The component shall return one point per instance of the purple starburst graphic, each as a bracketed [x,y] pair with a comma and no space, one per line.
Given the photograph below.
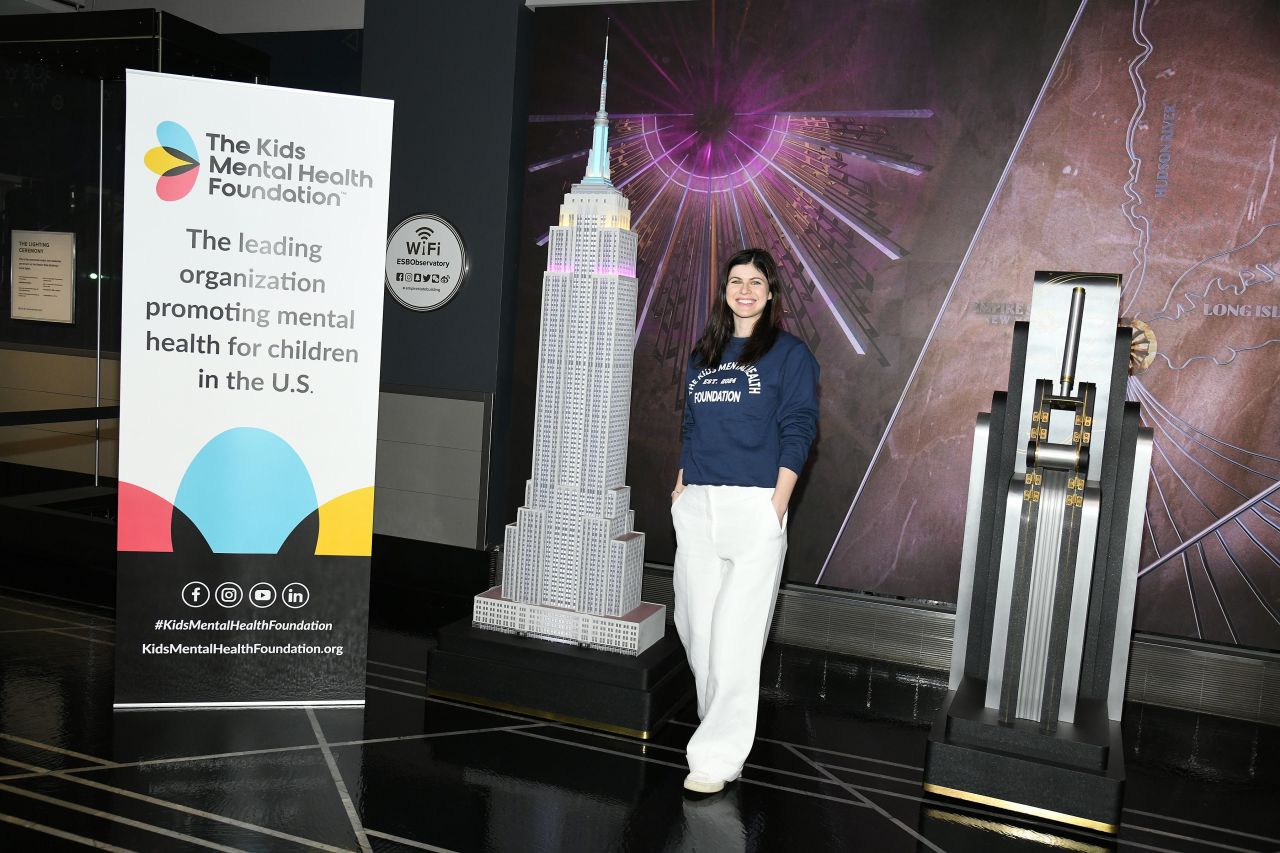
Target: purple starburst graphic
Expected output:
[728,164]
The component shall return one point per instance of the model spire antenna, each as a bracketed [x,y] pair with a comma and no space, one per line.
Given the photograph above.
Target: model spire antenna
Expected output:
[598,160]
[604,74]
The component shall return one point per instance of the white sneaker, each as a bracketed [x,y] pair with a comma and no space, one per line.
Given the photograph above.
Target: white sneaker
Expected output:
[702,783]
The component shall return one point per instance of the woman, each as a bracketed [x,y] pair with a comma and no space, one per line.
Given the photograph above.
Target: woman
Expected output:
[750,416]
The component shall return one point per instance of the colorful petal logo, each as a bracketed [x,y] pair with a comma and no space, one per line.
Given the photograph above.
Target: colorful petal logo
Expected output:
[174,160]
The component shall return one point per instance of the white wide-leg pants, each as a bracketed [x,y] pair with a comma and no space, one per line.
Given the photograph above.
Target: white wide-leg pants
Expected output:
[729,550]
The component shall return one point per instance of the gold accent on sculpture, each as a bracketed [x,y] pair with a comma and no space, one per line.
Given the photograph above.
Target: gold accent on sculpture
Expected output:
[1035,811]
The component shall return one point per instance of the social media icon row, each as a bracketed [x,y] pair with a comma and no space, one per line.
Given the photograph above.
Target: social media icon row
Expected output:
[229,594]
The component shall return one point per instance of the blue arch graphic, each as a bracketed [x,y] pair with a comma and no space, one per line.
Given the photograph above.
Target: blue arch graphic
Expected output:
[246,490]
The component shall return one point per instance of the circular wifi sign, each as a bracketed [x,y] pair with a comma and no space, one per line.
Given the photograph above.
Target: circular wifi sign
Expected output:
[426,262]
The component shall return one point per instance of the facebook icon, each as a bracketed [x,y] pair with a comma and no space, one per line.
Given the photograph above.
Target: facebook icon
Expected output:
[195,594]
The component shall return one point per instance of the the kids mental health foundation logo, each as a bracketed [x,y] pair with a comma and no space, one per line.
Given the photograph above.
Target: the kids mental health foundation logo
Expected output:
[174,160]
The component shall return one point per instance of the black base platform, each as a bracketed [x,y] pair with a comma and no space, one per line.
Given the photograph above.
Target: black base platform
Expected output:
[1074,775]
[570,684]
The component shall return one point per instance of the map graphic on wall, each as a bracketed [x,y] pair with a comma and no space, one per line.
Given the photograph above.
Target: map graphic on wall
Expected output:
[911,167]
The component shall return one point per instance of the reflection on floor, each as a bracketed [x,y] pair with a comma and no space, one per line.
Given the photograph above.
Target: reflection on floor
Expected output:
[836,766]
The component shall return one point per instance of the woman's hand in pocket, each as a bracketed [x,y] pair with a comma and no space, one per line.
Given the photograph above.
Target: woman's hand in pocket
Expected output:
[779,507]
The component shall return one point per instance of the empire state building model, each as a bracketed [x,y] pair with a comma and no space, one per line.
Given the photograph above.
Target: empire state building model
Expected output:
[573,560]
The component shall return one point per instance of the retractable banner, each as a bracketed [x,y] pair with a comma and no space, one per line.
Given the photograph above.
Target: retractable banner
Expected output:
[254,230]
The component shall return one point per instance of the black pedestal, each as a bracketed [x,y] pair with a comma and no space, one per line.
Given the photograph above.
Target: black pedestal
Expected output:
[1074,775]
[556,681]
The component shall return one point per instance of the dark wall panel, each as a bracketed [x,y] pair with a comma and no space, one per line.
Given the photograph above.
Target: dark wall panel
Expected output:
[321,60]
[452,69]
[456,72]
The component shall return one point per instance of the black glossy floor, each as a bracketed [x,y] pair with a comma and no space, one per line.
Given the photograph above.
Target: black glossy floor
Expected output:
[836,767]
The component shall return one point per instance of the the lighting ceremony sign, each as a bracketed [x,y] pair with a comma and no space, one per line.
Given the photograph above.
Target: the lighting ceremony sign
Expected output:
[250,345]
[426,262]
[42,276]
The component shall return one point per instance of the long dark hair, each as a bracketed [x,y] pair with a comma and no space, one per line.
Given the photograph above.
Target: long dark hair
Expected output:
[715,337]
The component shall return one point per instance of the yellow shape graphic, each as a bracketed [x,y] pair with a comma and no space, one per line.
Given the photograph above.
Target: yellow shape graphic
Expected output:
[159,160]
[346,525]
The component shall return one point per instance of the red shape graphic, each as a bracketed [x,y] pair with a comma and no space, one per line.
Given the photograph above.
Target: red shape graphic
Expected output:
[174,187]
[145,521]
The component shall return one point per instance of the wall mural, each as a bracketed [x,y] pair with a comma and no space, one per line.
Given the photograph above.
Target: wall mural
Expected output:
[912,165]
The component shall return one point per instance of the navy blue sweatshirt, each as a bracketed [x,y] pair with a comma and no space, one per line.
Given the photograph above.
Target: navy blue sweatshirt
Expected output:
[741,424]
